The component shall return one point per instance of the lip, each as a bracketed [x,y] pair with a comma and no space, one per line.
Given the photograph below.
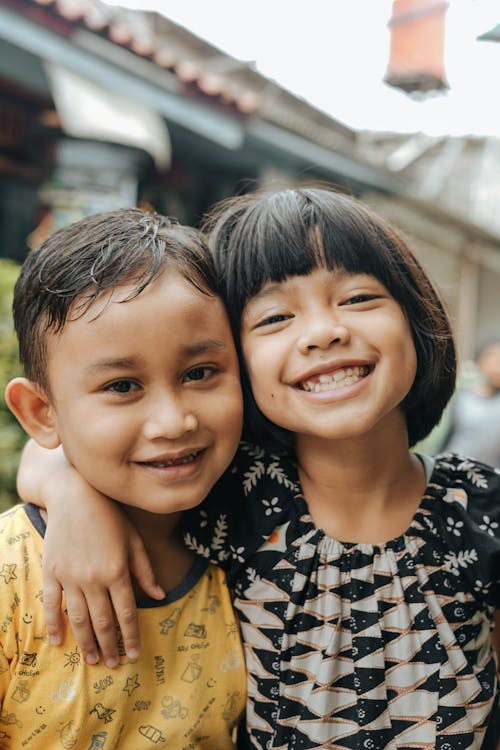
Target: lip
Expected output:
[173,467]
[330,367]
[167,460]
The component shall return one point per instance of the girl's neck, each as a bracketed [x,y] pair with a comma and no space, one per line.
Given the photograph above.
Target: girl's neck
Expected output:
[365,489]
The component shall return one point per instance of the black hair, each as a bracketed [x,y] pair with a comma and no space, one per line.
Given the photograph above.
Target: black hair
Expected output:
[269,236]
[76,264]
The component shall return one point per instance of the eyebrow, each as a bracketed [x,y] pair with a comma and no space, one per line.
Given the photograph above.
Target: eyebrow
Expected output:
[272,289]
[267,291]
[128,363]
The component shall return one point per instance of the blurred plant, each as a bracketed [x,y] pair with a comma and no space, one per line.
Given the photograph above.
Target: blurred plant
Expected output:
[12,437]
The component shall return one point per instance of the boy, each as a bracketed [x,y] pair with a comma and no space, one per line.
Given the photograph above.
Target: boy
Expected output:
[130,366]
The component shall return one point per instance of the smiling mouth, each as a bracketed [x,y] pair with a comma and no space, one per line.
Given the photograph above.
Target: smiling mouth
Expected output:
[165,463]
[330,381]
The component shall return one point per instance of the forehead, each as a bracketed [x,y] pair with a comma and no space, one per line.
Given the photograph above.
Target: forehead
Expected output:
[171,293]
[169,313]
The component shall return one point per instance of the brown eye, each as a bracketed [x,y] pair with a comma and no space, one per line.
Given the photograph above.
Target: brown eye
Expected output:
[358,299]
[273,319]
[199,373]
[123,386]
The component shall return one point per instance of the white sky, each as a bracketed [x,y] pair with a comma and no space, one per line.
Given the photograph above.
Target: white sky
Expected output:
[334,53]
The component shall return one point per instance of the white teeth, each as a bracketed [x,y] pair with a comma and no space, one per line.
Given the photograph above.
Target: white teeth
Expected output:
[338,379]
[172,462]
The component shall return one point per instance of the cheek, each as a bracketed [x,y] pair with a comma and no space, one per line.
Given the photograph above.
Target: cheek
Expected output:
[261,384]
[260,361]
[221,411]
[94,435]
[408,358]
[229,416]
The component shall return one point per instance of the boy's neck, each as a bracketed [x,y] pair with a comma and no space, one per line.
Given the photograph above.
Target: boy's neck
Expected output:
[169,556]
[154,527]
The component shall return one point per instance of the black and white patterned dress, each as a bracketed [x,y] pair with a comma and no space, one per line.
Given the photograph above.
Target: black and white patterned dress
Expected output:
[379,647]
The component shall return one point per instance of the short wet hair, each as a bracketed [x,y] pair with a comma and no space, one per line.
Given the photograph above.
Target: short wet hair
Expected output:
[64,276]
[269,236]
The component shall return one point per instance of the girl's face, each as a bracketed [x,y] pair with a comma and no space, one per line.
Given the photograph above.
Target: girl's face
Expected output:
[329,354]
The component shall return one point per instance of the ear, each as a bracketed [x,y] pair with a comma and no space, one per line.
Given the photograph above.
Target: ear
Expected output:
[33,410]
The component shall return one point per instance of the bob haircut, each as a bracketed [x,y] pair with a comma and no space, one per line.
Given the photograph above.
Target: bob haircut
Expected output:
[261,237]
[66,274]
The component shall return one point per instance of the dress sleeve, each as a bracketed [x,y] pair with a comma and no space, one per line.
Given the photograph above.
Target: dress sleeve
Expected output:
[242,510]
[472,520]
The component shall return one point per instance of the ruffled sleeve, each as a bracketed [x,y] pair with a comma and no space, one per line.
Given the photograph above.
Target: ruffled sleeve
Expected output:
[243,509]
[470,520]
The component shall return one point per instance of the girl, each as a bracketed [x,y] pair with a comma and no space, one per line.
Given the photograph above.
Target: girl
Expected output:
[366,576]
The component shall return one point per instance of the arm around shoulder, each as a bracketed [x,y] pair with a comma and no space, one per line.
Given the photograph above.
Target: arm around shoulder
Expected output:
[90,550]
[38,468]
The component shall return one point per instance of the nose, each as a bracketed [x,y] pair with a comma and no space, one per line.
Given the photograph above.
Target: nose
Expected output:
[169,418]
[322,329]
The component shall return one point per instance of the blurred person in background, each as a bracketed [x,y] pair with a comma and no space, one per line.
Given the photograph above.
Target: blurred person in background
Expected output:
[474,428]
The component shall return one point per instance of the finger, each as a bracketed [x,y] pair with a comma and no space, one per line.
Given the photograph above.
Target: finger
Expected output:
[81,624]
[104,625]
[142,570]
[52,610]
[125,609]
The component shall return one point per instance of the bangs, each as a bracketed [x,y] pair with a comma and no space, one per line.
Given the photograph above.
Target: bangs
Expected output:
[292,233]
[266,237]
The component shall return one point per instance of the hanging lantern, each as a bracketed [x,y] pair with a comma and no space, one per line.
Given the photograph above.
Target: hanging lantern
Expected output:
[417,46]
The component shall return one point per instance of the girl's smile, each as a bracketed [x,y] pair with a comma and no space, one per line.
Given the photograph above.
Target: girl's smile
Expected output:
[333,377]
[329,354]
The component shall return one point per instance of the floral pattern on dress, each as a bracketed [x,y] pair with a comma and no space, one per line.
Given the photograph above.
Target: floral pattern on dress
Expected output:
[359,645]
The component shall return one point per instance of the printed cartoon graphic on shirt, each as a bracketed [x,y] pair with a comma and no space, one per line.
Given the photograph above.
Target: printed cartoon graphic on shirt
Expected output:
[159,698]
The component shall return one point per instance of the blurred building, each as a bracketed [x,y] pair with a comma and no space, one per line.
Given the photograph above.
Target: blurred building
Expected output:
[455,181]
[452,220]
[102,107]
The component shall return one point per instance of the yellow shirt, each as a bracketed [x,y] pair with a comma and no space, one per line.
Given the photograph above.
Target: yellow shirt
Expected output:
[186,691]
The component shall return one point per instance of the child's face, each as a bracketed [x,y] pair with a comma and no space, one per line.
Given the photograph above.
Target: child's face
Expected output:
[489,364]
[329,355]
[146,394]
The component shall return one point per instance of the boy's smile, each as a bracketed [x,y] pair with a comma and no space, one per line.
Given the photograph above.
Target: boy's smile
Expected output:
[329,354]
[145,394]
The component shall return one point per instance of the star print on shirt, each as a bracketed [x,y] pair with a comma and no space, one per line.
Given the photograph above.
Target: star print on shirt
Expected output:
[103,713]
[131,684]
[8,572]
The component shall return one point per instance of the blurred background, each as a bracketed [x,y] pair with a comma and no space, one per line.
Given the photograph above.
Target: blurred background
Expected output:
[175,105]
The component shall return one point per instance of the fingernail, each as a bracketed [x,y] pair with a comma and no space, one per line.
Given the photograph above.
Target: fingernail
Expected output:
[91,658]
[132,653]
[111,662]
[54,640]
[160,592]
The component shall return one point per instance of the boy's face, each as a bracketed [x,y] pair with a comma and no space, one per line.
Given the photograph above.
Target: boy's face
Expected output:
[146,395]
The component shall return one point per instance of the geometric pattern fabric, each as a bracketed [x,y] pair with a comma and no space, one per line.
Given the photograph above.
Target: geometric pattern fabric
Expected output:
[381,647]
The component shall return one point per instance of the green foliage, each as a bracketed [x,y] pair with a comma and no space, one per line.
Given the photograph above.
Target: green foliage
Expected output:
[12,437]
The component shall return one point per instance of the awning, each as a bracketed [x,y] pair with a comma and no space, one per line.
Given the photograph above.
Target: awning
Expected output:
[87,110]
[197,116]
